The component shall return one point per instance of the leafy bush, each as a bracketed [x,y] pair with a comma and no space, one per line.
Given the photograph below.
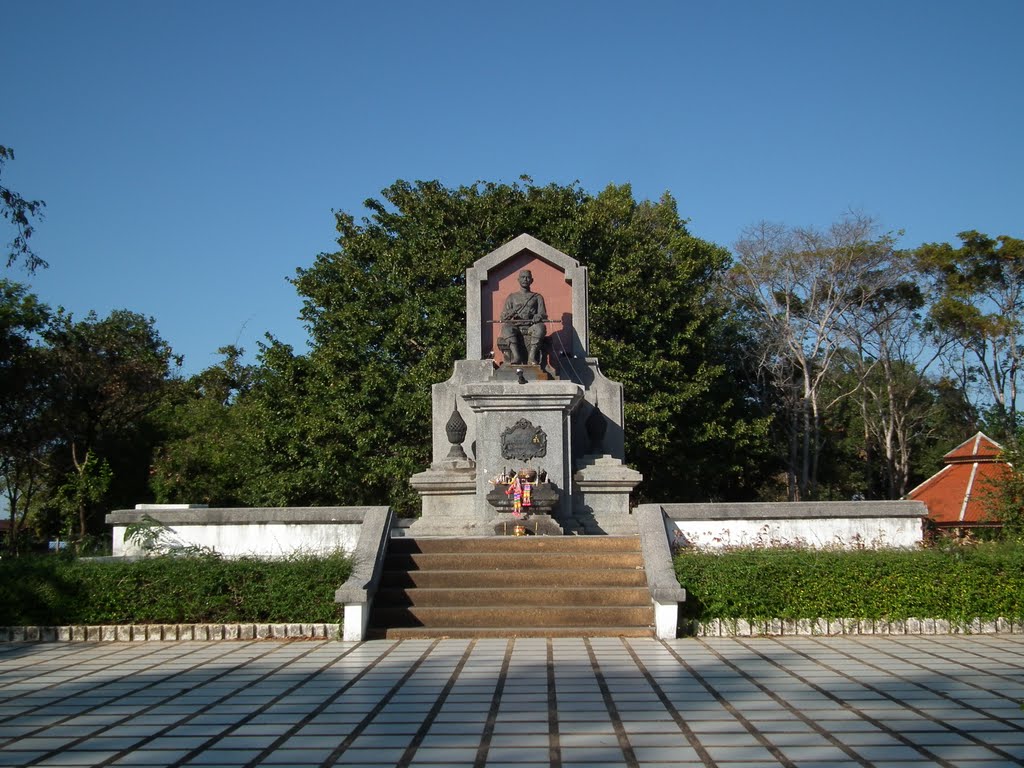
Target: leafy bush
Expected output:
[55,591]
[959,584]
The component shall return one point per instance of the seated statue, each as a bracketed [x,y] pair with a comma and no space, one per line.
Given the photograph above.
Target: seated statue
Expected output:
[522,324]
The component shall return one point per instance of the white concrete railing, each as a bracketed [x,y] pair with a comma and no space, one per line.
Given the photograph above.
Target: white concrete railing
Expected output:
[666,594]
[358,592]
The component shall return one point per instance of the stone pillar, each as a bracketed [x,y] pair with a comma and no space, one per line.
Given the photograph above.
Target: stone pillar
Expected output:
[604,485]
[448,494]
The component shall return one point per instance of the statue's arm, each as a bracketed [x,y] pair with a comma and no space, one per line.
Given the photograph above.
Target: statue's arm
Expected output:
[542,310]
[508,312]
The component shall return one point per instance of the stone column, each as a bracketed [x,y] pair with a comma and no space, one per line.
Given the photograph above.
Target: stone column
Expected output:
[605,483]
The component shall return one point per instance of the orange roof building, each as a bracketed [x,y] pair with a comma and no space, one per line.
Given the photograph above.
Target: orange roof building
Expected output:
[956,494]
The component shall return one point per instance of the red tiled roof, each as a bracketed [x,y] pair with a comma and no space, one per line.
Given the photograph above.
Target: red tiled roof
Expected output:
[981,447]
[957,493]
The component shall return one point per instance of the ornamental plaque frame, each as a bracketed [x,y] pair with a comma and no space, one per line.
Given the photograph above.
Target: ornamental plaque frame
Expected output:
[523,441]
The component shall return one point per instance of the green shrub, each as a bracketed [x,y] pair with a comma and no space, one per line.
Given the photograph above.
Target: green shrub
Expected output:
[984,581]
[55,591]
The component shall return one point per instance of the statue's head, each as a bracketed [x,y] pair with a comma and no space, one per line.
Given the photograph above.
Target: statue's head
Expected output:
[525,278]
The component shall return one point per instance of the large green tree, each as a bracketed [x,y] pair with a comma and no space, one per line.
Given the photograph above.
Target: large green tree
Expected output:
[113,373]
[802,289]
[349,419]
[979,308]
[77,405]
[27,429]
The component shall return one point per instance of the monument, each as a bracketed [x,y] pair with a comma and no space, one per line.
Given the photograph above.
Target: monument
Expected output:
[527,433]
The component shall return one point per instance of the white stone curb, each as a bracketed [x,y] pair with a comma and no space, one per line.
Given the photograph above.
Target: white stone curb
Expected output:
[135,633]
[832,627]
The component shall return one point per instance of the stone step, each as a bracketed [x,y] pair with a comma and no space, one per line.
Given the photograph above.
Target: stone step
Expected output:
[505,596]
[508,561]
[513,616]
[596,577]
[528,586]
[419,633]
[516,544]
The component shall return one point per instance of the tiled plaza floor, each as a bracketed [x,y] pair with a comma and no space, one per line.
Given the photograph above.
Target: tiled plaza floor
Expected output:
[892,702]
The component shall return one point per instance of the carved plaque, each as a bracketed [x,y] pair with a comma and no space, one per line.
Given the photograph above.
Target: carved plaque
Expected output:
[523,441]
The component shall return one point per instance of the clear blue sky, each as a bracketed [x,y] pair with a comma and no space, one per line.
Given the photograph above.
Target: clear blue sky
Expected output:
[190,153]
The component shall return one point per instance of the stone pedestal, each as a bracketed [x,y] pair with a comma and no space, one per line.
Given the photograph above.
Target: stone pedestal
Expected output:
[604,484]
[524,426]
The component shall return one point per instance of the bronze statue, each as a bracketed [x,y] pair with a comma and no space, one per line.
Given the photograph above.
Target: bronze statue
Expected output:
[522,329]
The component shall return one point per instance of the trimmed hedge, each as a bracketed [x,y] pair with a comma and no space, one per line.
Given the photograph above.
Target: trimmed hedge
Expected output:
[55,591]
[985,582]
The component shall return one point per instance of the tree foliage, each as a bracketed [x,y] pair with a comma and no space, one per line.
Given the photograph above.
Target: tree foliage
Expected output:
[78,406]
[350,419]
[1003,496]
[893,359]
[114,372]
[803,288]
[805,367]
[20,212]
[27,429]
[980,309]
[202,457]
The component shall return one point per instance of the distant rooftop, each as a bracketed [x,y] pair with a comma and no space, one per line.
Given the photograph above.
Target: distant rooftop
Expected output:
[957,493]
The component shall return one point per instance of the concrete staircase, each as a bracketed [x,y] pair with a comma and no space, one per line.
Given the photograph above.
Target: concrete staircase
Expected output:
[507,586]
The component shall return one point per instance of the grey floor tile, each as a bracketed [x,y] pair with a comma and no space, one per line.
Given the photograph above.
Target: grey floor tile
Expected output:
[876,753]
[816,752]
[659,740]
[303,757]
[457,727]
[309,741]
[18,757]
[659,726]
[797,739]
[445,755]
[645,754]
[151,757]
[360,756]
[604,725]
[116,743]
[520,740]
[80,758]
[727,754]
[728,738]
[592,754]
[517,754]
[225,757]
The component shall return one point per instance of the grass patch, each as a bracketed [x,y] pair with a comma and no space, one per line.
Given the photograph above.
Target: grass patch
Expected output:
[958,584]
[55,591]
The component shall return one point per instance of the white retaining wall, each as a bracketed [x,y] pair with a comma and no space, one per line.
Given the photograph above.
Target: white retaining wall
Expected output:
[255,532]
[844,525]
